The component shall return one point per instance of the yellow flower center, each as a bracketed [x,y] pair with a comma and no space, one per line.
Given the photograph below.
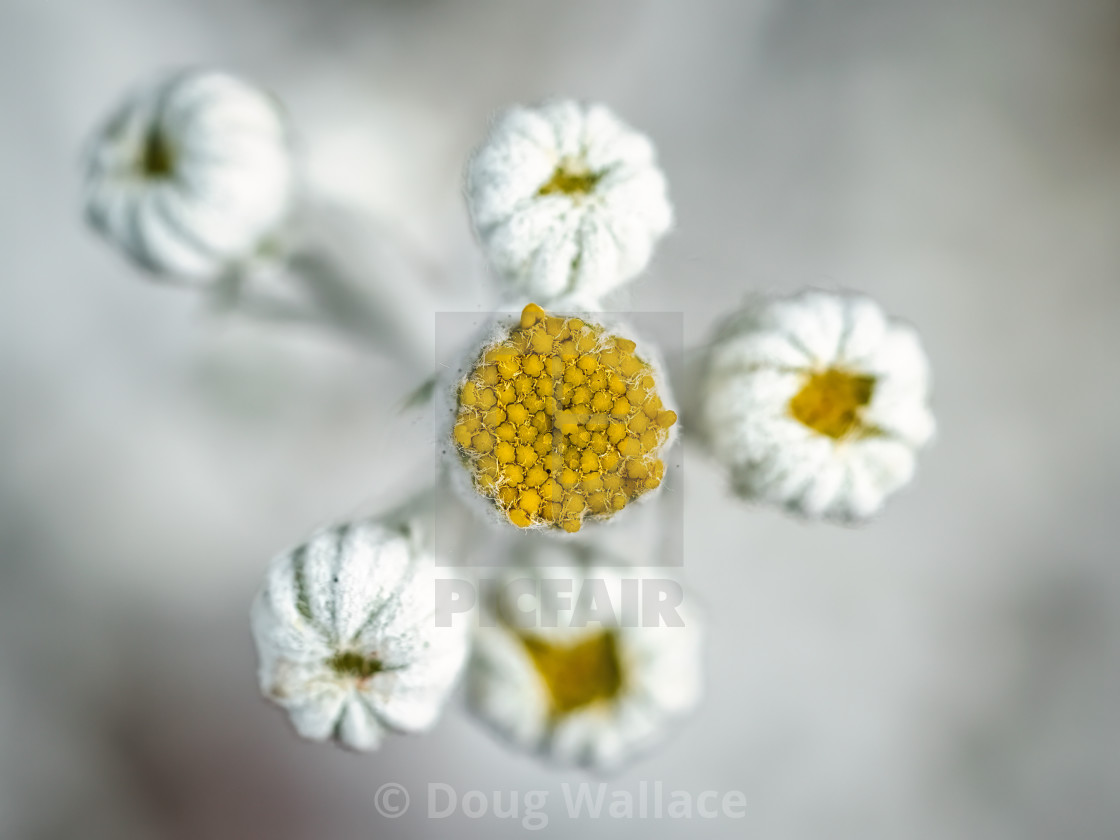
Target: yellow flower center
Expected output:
[559,421]
[580,674]
[571,178]
[831,402]
[350,663]
[157,160]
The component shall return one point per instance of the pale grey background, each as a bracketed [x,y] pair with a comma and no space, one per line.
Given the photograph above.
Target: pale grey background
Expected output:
[952,670]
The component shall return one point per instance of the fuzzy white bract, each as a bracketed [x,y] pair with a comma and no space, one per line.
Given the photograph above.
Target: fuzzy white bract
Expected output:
[573,677]
[191,174]
[347,637]
[817,403]
[567,201]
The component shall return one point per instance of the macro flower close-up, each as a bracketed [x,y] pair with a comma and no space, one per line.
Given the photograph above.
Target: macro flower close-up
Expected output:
[191,174]
[817,403]
[559,421]
[346,636]
[600,419]
[588,686]
[567,200]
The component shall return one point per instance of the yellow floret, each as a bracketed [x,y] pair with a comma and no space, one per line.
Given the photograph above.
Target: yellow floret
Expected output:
[560,420]
[529,501]
[530,315]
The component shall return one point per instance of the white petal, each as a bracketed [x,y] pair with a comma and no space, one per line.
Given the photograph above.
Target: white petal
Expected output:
[503,176]
[899,356]
[820,494]
[888,464]
[637,199]
[751,350]
[664,664]
[503,687]
[812,320]
[513,244]
[788,469]
[408,700]
[598,269]
[358,727]
[611,144]
[859,497]
[587,737]
[748,416]
[565,117]
[527,125]
[281,632]
[553,266]
[900,411]
[865,325]
[315,714]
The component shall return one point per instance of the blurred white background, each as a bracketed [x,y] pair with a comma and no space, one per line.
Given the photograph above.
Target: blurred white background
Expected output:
[951,670]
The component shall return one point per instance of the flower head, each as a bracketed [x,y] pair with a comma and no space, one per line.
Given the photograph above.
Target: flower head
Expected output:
[567,200]
[559,420]
[190,174]
[594,689]
[818,403]
[347,638]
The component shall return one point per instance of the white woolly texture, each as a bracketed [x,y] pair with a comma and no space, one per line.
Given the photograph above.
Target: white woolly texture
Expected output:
[558,245]
[368,592]
[763,357]
[224,180]
[445,403]
[660,669]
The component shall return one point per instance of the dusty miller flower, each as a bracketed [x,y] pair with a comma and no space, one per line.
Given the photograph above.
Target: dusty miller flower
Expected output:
[818,403]
[595,690]
[556,421]
[347,638]
[191,174]
[567,200]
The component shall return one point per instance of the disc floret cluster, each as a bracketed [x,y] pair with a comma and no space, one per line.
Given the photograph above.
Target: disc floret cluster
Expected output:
[560,421]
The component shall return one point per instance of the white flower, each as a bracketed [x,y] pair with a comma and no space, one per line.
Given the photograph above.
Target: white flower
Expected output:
[567,200]
[191,174]
[818,403]
[596,688]
[347,638]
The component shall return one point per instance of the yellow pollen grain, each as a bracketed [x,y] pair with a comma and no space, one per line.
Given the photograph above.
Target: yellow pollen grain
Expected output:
[504,452]
[462,434]
[530,315]
[469,395]
[533,366]
[529,501]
